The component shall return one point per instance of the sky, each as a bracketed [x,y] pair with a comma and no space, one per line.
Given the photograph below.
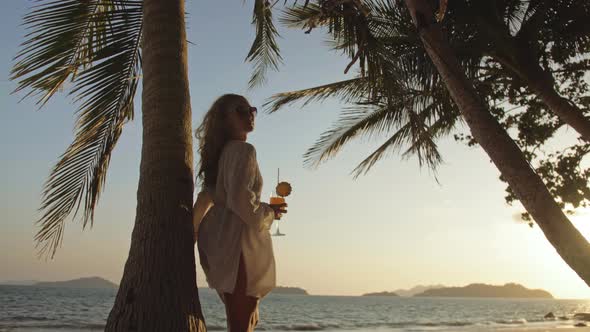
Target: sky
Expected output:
[395,227]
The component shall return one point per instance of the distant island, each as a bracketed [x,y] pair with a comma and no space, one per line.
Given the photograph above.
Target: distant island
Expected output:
[18,282]
[405,292]
[415,290]
[90,282]
[381,294]
[289,290]
[510,290]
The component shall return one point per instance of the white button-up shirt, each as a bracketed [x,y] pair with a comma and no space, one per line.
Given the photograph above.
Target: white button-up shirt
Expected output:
[238,223]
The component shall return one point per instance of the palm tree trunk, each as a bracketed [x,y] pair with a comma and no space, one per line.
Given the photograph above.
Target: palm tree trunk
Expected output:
[158,291]
[541,83]
[526,184]
[562,107]
[517,57]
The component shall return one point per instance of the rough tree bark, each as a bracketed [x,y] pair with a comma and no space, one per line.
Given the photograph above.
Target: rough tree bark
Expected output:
[158,291]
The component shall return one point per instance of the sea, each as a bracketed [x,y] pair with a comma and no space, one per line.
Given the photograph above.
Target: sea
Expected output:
[47,309]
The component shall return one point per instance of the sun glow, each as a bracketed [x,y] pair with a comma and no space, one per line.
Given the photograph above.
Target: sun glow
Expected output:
[581,220]
[569,284]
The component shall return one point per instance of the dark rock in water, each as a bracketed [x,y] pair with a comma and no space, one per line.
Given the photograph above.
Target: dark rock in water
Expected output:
[549,316]
[581,325]
[582,316]
[563,318]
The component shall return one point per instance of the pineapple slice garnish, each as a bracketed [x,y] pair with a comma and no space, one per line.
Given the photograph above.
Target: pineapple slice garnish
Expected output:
[284,189]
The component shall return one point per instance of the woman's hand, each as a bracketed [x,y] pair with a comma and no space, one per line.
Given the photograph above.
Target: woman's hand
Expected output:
[279,210]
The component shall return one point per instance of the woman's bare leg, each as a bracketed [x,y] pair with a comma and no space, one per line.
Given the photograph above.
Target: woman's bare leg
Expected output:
[241,310]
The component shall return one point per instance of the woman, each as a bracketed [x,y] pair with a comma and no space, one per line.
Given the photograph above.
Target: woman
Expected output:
[233,238]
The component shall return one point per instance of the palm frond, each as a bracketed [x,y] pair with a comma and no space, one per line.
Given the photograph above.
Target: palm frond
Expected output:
[533,17]
[398,44]
[418,118]
[400,137]
[421,133]
[354,121]
[401,90]
[306,17]
[104,63]
[347,90]
[513,13]
[264,52]
[348,22]
[63,36]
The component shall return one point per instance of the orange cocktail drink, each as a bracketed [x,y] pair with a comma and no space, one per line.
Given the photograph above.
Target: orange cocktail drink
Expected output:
[276,200]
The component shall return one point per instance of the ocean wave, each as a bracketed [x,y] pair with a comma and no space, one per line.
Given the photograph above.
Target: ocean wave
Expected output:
[364,325]
[40,323]
[457,323]
[431,324]
[518,321]
[300,327]
[24,318]
[421,323]
[81,327]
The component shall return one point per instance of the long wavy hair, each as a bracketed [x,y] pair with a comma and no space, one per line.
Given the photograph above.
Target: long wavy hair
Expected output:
[212,135]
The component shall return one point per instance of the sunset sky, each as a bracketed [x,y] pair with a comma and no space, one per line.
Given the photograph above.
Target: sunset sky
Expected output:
[394,228]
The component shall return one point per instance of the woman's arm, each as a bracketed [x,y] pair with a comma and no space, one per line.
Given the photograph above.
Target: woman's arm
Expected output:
[242,200]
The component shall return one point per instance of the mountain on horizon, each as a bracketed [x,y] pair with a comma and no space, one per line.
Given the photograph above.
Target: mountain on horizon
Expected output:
[509,290]
[88,282]
[289,290]
[392,294]
[18,282]
[416,290]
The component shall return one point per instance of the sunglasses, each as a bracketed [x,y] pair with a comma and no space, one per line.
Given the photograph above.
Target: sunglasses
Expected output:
[246,111]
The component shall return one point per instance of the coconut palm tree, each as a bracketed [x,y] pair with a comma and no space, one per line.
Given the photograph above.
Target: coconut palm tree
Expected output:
[389,93]
[536,42]
[413,110]
[526,184]
[104,47]
[478,48]
[539,45]
[158,291]
[393,32]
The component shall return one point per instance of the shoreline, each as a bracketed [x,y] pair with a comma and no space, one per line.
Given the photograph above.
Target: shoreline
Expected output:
[475,329]
[547,329]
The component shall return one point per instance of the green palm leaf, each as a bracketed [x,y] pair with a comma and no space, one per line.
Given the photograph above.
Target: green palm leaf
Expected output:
[416,118]
[348,91]
[421,132]
[362,120]
[96,45]
[308,17]
[401,136]
[401,94]
[264,52]
[63,36]
[396,91]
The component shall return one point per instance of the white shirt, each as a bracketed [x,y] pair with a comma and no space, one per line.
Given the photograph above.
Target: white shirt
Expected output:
[238,223]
